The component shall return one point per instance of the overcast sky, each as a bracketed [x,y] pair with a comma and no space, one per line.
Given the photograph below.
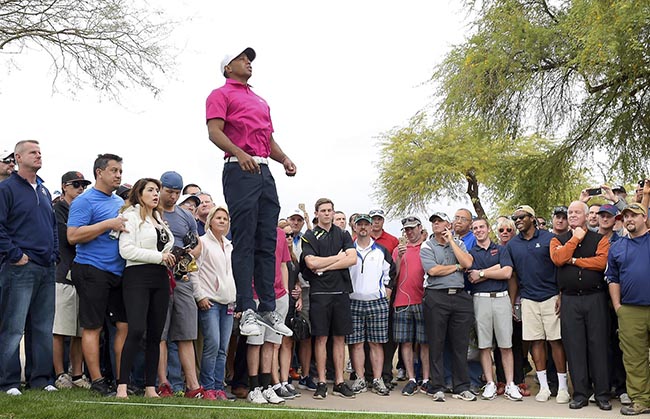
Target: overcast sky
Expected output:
[336,74]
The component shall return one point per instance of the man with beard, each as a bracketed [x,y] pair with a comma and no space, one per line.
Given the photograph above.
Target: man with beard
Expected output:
[540,305]
[628,265]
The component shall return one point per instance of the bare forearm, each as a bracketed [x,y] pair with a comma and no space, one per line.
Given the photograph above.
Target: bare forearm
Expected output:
[85,234]
[442,270]
[276,152]
[319,262]
[615,294]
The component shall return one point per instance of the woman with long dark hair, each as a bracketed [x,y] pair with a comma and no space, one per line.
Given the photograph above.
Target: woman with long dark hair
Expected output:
[146,246]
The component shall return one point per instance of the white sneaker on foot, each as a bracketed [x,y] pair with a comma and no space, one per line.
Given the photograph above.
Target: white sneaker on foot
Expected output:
[63,381]
[512,393]
[50,387]
[490,391]
[271,397]
[14,392]
[275,322]
[248,324]
[543,395]
[255,396]
[562,396]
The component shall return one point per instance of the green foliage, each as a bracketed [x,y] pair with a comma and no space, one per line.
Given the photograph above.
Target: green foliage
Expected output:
[580,67]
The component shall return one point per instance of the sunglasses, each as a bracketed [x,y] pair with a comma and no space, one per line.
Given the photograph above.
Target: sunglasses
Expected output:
[542,223]
[410,220]
[516,218]
[9,160]
[509,230]
[77,184]
[287,235]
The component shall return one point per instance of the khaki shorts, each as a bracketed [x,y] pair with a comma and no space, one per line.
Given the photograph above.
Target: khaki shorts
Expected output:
[493,319]
[539,320]
[66,312]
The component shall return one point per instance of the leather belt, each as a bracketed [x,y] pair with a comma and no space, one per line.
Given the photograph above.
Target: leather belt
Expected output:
[491,294]
[450,291]
[258,160]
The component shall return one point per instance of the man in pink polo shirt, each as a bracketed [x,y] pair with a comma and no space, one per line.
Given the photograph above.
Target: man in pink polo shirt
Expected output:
[239,123]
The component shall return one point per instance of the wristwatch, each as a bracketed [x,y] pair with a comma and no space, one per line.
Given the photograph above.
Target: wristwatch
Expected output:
[481,274]
[573,261]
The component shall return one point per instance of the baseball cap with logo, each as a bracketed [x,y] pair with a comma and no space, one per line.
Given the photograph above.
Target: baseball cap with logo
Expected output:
[72,176]
[560,210]
[296,212]
[362,217]
[441,215]
[227,59]
[609,209]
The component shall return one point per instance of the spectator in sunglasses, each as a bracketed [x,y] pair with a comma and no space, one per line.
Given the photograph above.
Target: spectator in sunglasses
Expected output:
[7,164]
[66,311]
[541,223]
[505,230]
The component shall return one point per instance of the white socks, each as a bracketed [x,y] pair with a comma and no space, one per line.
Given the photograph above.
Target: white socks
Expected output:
[543,381]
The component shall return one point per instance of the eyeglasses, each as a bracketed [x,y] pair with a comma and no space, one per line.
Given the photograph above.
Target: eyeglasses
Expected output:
[516,218]
[509,230]
[460,218]
[287,235]
[9,160]
[77,184]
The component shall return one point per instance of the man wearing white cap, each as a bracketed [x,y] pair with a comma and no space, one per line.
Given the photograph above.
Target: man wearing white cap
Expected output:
[7,164]
[239,123]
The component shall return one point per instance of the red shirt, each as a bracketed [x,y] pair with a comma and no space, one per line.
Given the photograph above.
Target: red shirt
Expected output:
[387,240]
[246,116]
[409,289]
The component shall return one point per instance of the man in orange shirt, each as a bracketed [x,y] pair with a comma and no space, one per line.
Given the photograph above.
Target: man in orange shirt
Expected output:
[581,258]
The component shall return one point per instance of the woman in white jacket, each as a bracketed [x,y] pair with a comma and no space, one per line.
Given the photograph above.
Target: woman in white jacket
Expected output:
[215,294]
[146,246]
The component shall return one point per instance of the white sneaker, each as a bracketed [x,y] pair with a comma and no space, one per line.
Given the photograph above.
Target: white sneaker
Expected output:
[248,324]
[63,381]
[438,396]
[14,392]
[562,396]
[543,395]
[255,396]
[512,393]
[82,382]
[625,399]
[271,397]
[50,387]
[275,322]
[490,391]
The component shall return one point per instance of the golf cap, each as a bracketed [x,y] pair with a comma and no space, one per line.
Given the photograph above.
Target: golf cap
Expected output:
[227,59]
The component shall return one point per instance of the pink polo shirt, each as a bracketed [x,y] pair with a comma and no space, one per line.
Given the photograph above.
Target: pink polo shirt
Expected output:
[247,117]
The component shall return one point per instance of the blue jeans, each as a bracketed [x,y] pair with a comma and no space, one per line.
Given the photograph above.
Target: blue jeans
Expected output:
[174,370]
[216,325]
[27,292]
[254,210]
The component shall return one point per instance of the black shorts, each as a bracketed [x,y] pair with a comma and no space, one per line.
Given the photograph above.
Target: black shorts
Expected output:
[330,314]
[100,295]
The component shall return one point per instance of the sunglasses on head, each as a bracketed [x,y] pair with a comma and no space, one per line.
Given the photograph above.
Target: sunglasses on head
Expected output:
[516,218]
[9,160]
[76,184]
[409,220]
[509,230]
[287,235]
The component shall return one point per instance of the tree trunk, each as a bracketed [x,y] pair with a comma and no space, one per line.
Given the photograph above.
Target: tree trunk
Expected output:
[472,191]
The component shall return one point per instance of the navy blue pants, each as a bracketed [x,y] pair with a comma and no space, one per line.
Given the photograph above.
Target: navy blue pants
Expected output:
[254,209]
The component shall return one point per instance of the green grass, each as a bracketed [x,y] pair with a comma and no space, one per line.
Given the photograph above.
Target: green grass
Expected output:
[79,404]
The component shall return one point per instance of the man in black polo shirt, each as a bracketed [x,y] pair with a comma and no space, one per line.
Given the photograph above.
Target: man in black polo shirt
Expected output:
[490,273]
[581,258]
[327,253]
